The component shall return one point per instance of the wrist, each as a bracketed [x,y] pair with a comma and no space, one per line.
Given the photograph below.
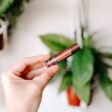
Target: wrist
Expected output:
[22,106]
[15,107]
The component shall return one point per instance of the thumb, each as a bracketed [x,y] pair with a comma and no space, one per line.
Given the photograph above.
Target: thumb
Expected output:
[46,76]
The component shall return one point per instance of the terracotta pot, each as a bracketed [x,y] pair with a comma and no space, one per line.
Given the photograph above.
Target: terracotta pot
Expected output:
[73,99]
[1,42]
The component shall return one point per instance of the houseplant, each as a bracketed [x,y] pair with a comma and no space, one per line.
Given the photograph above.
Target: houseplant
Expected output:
[79,74]
[10,10]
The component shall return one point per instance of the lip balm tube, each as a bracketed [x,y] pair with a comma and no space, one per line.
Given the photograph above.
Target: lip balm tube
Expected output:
[62,55]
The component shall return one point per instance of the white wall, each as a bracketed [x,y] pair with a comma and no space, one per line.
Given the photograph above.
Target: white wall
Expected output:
[57,16]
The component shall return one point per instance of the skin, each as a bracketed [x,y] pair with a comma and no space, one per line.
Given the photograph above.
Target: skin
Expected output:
[24,83]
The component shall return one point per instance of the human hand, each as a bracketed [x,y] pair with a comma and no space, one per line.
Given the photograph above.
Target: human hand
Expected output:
[24,83]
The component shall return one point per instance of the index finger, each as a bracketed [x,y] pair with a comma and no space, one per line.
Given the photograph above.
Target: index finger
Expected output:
[29,63]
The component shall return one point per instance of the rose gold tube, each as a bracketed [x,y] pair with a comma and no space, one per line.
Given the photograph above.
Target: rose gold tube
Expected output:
[63,55]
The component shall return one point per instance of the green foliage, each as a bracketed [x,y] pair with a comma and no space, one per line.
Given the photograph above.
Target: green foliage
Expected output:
[16,10]
[84,92]
[82,67]
[84,64]
[11,10]
[56,43]
[66,81]
[106,55]
[87,41]
[105,82]
[4,5]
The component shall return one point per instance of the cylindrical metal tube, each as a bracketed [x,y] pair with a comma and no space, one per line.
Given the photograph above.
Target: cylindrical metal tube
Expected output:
[63,55]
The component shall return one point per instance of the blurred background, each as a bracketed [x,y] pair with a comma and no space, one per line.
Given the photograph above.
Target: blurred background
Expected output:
[59,17]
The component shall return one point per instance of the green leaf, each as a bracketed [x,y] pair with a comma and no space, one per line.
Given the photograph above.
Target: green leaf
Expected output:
[87,41]
[63,66]
[105,82]
[52,53]
[106,55]
[66,81]
[56,43]
[28,1]
[4,5]
[15,11]
[82,67]
[84,92]
[11,9]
